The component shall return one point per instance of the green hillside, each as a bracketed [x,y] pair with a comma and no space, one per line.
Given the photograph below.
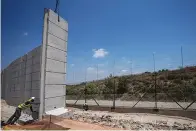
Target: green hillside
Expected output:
[180,84]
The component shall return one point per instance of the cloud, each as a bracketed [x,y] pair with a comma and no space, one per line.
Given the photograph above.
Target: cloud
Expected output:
[129,62]
[100,53]
[126,60]
[121,72]
[124,71]
[90,69]
[72,65]
[101,65]
[167,59]
[101,71]
[123,58]
[94,70]
[25,34]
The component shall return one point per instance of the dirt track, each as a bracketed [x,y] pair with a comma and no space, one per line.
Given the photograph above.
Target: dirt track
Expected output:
[62,125]
[145,104]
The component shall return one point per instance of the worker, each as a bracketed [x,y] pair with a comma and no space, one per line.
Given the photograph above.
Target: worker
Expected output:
[17,114]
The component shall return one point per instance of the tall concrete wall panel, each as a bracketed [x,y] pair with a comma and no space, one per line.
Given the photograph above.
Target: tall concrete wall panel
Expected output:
[56,33]
[41,72]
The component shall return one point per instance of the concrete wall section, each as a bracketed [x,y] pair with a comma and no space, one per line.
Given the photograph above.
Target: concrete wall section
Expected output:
[3,76]
[22,77]
[41,72]
[55,61]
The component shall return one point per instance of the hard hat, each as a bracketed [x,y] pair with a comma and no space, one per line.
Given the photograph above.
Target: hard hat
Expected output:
[33,98]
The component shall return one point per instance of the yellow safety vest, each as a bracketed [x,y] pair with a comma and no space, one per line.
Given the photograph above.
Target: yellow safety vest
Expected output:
[23,106]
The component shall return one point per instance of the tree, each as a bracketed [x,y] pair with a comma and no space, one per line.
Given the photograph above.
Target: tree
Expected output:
[91,88]
[122,85]
[109,84]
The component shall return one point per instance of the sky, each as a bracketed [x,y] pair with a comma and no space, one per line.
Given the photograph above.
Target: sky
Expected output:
[106,36]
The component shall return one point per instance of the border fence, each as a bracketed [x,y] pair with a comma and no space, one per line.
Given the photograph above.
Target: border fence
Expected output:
[163,89]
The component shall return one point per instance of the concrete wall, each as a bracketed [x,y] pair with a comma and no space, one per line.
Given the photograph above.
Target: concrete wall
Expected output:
[42,71]
[53,61]
[21,78]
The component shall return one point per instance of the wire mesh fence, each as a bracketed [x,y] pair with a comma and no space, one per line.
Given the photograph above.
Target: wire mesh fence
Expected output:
[157,82]
[162,89]
[133,101]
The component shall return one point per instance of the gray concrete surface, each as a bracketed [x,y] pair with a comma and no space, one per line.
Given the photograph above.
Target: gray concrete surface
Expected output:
[22,77]
[56,33]
[41,72]
[144,104]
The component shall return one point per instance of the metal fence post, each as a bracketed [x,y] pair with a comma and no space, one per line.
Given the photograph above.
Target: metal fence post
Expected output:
[114,96]
[155,91]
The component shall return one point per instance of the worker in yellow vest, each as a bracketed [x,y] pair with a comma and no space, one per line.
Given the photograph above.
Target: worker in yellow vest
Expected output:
[17,114]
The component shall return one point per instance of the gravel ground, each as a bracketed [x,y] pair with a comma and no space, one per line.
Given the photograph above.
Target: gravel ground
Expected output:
[147,104]
[134,121]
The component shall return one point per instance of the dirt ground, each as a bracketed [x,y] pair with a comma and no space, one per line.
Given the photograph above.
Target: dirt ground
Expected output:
[56,124]
[43,125]
[63,125]
[103,120]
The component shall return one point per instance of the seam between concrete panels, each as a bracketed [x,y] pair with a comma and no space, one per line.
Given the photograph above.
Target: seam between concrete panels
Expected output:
[54,97]
[56,48]
[56,36]
[26,66]
[55,72]
[24,75]
[64,87]
[32,89]
[43,62]
[55,84]
[56,60]
[25,82]
[45,59]
[25,90]
[31,79]
[58,26]
[11,65]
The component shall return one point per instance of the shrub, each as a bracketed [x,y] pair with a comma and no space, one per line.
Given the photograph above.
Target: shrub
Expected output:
[174,76]
[178,81]
[91,88]
[162,78]
[122,85]
[194,82]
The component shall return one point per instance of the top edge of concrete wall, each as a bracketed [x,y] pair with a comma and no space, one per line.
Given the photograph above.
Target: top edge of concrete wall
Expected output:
[54,19]
[21,57]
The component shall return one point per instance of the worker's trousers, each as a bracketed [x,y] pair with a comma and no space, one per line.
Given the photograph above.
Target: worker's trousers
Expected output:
[14,117]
